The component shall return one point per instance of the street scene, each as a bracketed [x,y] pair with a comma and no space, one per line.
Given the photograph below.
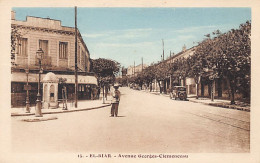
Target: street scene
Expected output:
[146,123]
[130,80]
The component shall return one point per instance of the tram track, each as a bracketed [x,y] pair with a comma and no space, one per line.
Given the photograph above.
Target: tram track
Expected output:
[233,122]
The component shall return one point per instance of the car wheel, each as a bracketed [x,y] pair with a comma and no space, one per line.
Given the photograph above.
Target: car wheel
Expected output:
[181,96]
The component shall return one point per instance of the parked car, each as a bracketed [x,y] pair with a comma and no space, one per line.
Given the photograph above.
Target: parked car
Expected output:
[178,92]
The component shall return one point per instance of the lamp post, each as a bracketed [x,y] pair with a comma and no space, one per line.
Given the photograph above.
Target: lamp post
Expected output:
[38,109]
[27,93]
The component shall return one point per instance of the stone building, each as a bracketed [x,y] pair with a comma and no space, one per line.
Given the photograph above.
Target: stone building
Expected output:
[58,45]
[189,83]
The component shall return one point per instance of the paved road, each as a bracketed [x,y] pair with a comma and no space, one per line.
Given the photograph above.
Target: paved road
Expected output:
[147,123]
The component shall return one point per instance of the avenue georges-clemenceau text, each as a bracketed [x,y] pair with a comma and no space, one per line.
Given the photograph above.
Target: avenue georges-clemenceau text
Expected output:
[132,156]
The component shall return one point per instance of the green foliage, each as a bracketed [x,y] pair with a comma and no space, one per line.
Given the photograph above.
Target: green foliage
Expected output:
[105,69]
[225,55]
[228,55]
[123,81]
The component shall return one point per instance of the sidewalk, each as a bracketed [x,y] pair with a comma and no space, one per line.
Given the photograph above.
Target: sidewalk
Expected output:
[221,103]
[82,105]
[207,101]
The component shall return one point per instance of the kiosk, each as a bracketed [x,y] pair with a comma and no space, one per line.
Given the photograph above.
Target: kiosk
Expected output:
[50,91]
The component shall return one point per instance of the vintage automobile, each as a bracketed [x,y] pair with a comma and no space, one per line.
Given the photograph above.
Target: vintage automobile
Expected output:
[178,92]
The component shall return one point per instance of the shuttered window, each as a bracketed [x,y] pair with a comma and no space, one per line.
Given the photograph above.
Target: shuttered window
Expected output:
[63,50]
[23,47]
[43,44]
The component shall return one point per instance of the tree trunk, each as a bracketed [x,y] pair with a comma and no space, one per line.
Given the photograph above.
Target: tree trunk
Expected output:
[202,89]
[164,86]
[197,91]
[209,89]
[212,89]
[232,92]
[160,86]
[219,87]
[103,94]
[232,96]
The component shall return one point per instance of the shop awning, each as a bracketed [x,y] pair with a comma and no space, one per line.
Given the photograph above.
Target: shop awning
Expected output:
[33,78]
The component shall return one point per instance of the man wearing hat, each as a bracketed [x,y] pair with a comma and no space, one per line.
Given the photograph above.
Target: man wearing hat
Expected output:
[115,101]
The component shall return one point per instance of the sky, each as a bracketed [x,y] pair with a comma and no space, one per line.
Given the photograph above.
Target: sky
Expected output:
[127,35]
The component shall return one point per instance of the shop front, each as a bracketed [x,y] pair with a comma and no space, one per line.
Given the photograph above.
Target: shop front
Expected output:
[19,80]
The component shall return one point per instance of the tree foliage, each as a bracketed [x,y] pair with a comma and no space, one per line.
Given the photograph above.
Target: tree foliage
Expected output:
[105,69]
[219,55]
[228,55]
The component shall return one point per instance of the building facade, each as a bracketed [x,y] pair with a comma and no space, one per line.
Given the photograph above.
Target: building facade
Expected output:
[58,45]
[135,70]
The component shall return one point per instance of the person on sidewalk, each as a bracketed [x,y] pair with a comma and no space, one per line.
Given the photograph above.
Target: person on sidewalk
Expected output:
[115,101]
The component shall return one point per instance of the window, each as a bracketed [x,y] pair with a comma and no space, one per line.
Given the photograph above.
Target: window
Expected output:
[22,46]
[63,50]
[43,44]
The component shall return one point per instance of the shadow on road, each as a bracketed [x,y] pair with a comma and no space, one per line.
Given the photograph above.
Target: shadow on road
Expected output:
[119,116]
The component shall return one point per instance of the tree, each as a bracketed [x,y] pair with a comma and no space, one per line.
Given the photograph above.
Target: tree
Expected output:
[15,36]
[235,58]
[162,72]
[228,55]
[149,75]
[105,69]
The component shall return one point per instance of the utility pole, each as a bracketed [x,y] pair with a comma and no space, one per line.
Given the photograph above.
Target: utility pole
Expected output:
[142,64]
[170,73]
[163,49]
[27,91]
[76,60]
[134,68]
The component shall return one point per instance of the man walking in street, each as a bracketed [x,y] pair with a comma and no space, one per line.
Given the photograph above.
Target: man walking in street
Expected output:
[115,101]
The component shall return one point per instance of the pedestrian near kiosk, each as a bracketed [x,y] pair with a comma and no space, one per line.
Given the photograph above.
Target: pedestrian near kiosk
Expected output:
[115,101]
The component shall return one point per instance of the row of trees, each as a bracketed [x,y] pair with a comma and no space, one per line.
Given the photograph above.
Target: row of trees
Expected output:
[219,55]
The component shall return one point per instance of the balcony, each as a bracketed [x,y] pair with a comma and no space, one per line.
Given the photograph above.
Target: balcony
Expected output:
[46,61]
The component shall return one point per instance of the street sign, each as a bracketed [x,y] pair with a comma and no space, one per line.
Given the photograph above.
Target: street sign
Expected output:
[27,87]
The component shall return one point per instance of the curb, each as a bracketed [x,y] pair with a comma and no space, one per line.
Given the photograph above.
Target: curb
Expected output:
[223,105]
[39,119]
[64,111]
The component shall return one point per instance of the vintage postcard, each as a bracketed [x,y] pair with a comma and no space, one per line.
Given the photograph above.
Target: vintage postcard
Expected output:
[148,81]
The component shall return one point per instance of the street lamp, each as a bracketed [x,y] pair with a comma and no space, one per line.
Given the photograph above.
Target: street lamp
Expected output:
[38,112]
[27,93]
